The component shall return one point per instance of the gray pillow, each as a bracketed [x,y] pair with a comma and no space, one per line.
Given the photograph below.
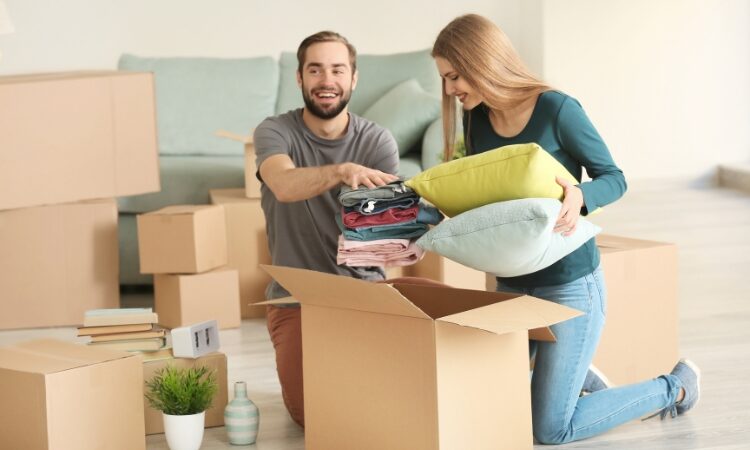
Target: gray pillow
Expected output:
[507,239]
[406,111]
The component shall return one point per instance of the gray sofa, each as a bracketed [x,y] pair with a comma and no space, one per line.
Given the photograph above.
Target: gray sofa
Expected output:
[195,97]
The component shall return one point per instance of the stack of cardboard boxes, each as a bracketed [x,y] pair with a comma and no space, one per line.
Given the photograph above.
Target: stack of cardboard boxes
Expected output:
[69,142]
[246,232]
[185,247]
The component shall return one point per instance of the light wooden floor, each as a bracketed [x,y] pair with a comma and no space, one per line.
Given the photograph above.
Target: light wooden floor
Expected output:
[711,227]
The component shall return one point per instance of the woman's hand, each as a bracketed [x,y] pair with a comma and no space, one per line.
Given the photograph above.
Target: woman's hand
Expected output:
[571,207]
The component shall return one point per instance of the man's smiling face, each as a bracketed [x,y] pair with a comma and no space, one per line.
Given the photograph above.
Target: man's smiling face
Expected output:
[327,79]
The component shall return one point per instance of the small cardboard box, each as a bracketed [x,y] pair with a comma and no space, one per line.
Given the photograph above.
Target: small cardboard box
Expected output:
[247,246]
[181,300]
[214,361]
[439,268]
[56,262]
[76,136]
[642,286]
[182,239]
[62,396]
[415,367]
[252,184]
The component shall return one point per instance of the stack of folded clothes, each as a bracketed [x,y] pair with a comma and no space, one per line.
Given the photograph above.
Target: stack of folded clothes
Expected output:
[379,226]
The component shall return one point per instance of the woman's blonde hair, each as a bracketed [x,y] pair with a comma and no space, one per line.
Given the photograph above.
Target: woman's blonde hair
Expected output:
[483,55]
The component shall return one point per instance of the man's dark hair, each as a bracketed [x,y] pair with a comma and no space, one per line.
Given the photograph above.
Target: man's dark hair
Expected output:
[325,36]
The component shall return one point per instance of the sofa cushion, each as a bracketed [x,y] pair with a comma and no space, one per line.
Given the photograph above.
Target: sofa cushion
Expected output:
[432,145]
[185,180]
[409,165]
[195,97]
[406,111]
[507,239]
[377,75]
[506,173]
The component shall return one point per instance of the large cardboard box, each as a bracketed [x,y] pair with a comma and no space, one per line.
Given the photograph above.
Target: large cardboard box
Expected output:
[182,239]
[214,361]
[247,246]
[439,268]
[415,367]
[641,337]
[56,262]
[75,136]
[182,300]
[62,396]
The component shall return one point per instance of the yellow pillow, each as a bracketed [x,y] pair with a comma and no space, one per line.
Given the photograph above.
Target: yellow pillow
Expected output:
[506,173]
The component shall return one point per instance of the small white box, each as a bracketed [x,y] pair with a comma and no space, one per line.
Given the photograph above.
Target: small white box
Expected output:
[196,340]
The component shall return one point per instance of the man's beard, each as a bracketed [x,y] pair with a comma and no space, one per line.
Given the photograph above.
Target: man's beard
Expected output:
[321,113]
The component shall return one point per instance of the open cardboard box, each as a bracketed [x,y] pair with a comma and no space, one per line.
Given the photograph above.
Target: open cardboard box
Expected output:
[408,366]
[252,184]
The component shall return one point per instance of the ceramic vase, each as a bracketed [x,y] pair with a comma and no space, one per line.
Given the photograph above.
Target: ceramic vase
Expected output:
[241,417]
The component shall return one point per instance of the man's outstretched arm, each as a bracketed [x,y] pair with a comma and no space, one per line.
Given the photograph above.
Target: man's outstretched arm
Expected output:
[291,184]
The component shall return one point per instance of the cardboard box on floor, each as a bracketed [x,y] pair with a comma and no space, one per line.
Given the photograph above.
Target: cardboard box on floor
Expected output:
[439,268]
[181,300]
[56,262]
[640,339]
[182,239]
[415,367]
[214,361]
[252,184]
[62,396]
[247,246]
[76,136]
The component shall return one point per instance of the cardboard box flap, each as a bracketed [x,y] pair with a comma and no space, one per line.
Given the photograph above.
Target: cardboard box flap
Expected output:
[277,301]
[521,313]
[335,291]
[181,209]
[235,137]
[50,355]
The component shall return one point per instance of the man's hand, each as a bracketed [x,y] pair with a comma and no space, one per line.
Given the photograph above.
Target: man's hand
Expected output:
[571,207]
[354,175]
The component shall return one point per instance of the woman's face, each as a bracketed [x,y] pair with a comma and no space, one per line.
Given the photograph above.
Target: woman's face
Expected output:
[456,85]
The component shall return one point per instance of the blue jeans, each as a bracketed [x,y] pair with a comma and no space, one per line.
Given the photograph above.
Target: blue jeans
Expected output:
[559,415]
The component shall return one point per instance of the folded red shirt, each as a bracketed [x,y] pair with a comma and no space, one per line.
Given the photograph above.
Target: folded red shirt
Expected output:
[388,217]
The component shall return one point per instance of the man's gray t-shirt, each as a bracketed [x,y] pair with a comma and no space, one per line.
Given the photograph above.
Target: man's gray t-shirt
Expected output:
[304,234]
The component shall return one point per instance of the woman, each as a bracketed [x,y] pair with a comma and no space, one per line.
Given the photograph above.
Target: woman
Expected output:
[505,104]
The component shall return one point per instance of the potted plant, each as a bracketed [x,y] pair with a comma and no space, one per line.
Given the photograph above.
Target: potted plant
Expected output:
[182,395]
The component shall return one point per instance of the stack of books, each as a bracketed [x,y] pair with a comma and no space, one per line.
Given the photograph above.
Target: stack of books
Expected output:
[129,329]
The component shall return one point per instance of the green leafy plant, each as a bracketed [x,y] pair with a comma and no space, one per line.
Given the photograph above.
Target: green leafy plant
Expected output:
[459,149]
[181,392]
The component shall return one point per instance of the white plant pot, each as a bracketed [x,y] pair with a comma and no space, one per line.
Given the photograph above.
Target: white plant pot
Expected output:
[184,432]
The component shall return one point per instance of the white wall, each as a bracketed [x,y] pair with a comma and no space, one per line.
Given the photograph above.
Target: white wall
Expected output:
[75,34]
[666,82]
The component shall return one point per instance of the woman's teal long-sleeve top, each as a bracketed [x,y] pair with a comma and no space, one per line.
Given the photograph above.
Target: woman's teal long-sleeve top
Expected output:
[560,126]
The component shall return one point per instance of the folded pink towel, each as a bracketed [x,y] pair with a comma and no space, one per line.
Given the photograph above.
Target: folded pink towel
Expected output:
[380,253]
[388,217]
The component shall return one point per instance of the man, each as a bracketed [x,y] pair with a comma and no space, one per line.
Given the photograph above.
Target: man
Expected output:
[303,157]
